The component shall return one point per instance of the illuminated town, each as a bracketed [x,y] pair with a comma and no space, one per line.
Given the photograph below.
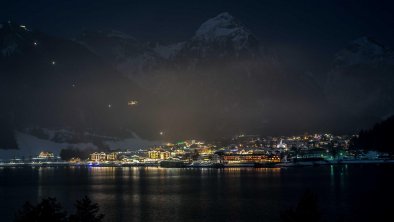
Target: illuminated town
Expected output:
[239,151]
[212,111]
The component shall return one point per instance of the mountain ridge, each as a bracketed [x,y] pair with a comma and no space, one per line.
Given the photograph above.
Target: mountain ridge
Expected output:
[205,86]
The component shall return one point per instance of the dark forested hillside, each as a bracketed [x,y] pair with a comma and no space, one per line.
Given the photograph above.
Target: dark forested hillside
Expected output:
[380,137]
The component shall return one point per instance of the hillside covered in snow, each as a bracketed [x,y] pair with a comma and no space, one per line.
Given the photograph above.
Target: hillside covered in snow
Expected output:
[220,81]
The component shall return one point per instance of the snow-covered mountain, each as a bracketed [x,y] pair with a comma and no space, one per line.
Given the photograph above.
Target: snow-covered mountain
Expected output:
[223,67]
[218,82]
[222,28]
[219,75]
[361,51]
[115,46]
[220,37]
[127,54]
[52,82]
[30,143]
[361,83]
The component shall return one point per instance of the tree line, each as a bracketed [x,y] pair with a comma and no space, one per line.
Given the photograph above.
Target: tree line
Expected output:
[49,209]
[379,137]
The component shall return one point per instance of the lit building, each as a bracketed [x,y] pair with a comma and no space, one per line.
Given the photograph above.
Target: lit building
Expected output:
[205,150]
[281,145]
[46,155]
[165,155]
[75,160]
[97,157]
[112,156]
[250,158]
[154,154]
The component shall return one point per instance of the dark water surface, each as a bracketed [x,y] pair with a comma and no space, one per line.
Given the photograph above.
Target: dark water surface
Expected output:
[353,193]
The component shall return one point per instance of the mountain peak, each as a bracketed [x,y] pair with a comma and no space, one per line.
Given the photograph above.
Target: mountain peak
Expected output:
[361,50]
[366,44]
[222,25]
[223,34]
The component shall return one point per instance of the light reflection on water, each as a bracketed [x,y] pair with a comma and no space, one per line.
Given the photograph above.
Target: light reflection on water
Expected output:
[160,194]
[163,186]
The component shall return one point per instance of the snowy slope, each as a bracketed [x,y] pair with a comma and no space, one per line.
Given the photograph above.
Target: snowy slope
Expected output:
[219,74]
[31,146]
[360,84]
[360,51]
[169,51]
[222,28]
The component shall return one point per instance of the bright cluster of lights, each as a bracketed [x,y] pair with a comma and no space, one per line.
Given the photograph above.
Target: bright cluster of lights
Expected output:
[132,102]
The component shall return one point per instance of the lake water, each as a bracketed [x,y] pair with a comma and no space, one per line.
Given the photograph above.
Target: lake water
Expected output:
[351,193]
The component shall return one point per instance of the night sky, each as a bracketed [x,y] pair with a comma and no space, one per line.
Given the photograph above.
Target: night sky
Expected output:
[323,26]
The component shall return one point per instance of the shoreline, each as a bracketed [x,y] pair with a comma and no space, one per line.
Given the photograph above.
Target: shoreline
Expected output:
[249,165]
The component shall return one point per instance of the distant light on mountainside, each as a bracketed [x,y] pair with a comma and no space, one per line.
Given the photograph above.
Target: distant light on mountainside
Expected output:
[220,81]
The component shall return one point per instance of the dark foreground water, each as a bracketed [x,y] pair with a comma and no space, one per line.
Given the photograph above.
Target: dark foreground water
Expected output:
[352,193]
